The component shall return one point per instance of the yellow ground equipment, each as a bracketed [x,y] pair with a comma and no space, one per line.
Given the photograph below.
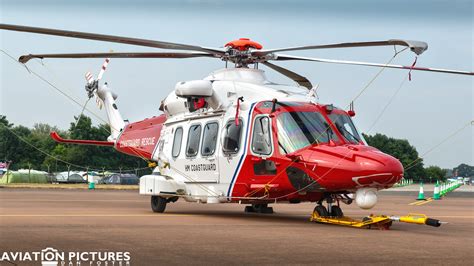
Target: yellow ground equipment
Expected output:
[382,222]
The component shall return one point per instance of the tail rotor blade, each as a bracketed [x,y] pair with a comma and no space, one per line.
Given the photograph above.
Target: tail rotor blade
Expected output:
[89,77]
[104,67]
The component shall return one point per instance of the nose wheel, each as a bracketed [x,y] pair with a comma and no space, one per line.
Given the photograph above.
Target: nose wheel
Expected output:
[331,210]
[321,211]
[158,204]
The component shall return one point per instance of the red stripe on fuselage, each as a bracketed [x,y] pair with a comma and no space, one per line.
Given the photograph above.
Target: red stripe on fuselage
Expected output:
[140,138]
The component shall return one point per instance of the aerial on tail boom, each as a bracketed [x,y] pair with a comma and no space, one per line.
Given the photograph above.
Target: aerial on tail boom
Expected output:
[234,136]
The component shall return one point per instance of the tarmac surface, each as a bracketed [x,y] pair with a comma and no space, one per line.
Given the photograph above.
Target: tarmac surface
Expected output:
[191,233]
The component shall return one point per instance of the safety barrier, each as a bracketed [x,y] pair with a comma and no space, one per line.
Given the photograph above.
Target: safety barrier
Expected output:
[440,189]
[404,182]
[449,186]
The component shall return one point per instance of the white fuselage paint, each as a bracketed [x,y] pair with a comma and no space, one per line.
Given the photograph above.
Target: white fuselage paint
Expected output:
[211,178]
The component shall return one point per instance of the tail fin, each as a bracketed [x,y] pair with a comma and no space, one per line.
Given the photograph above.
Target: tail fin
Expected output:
[105,97]
[115,118]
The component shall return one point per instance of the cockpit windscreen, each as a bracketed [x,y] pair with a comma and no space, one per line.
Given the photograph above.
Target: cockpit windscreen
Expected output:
[297,130]
[345,126]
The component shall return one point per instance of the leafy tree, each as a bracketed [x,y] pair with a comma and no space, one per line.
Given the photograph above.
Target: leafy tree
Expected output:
[4,121]
[6,137]
[23,155]
[464,170]
[403,151]
[435,173]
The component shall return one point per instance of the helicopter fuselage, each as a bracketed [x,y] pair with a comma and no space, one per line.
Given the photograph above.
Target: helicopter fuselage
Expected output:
[284,146]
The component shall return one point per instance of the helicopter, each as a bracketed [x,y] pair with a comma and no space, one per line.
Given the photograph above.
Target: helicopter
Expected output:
[236,137]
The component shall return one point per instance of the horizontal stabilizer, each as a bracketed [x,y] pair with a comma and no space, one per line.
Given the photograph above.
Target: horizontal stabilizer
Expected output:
[55,136]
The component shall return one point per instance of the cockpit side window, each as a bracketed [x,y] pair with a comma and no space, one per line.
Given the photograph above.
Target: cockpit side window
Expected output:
[345,126]
[261,137]
[194,137]
[232,137]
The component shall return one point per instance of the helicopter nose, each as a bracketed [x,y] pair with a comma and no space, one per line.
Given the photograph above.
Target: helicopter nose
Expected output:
[378,168]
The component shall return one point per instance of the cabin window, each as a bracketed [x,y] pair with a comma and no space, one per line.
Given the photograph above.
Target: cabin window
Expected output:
[232,136]
[209,139]
[261,141]
[178,138]
[194,138]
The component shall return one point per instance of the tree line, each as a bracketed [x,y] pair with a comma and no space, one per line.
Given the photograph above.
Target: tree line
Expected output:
[409,157]
[46,156]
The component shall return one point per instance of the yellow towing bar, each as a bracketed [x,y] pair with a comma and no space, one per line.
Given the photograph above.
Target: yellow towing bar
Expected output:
[377,221]
[416,218]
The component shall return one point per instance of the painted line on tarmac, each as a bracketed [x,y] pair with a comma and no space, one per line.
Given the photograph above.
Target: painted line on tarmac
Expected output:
[61,200]
[424,202]
[421,202]
[96,215]
[454,216]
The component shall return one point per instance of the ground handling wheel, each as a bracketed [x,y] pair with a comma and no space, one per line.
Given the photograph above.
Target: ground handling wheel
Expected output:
[321,211]
[336,211]
[158,204]
[259,208]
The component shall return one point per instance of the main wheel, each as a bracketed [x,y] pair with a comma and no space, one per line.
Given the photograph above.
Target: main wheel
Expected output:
[259,208]
[336,211]
[321,211]
[158,204]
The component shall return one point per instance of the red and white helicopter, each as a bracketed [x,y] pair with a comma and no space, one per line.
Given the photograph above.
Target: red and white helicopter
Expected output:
[236,137]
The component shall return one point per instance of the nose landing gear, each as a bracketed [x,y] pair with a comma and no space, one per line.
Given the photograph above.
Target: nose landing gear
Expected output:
[332,210]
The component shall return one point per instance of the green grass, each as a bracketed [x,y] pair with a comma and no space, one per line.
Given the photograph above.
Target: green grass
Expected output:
[69,186]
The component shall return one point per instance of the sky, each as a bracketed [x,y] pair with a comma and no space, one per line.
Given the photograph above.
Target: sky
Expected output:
[425,111]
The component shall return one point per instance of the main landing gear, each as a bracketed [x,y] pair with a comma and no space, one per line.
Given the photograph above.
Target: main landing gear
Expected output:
[158,203]
[259,208]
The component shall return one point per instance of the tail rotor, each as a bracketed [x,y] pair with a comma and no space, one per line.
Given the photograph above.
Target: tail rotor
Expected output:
[92,86]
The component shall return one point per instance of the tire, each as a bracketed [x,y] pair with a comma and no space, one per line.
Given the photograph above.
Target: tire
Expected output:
[249,209]
[321,211]
[336,211]
[259,208]
[158,204]
[268,210]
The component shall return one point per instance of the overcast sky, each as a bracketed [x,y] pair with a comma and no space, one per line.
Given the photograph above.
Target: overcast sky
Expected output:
[425,111]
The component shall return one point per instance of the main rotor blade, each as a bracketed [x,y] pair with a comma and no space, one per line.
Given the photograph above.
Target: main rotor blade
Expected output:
[281,57]
[111,38]
[302,81]
[25,58]
[415,46]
